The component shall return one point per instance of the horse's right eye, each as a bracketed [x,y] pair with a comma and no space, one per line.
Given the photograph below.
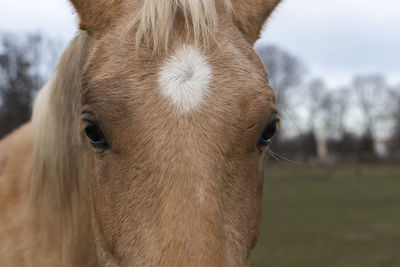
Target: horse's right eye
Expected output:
[268,133]
[95,135]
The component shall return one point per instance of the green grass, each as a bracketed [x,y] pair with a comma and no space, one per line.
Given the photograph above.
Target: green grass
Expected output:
[322,217]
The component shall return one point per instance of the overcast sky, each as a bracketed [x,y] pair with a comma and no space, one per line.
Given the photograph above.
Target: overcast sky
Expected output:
[335,39]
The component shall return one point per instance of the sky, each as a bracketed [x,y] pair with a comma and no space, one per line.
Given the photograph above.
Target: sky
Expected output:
[334,39]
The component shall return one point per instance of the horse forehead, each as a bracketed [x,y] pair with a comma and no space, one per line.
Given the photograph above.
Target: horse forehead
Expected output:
[184,78]
[187,80]
[189,75]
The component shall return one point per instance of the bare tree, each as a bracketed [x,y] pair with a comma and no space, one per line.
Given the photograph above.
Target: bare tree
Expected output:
[334,106]
[317,96]
[285,72]
[393,145]
[371,93]
[340,103]
[25,63]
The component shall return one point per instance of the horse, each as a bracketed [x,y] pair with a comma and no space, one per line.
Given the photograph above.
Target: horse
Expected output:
[146,146]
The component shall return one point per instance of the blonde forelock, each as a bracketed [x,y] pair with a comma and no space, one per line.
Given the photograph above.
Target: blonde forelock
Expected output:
[156,19]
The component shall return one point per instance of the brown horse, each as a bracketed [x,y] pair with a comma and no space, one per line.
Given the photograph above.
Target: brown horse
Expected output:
[146,147]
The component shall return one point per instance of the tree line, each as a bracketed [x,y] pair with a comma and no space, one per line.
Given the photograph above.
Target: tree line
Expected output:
[356,122]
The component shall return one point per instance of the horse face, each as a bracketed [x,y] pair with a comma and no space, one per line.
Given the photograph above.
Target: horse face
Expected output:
[175,142]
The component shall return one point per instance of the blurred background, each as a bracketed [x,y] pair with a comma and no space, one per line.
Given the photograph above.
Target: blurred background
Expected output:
[332,182]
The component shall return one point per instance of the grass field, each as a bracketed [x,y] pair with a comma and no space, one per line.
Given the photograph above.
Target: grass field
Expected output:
[321,217]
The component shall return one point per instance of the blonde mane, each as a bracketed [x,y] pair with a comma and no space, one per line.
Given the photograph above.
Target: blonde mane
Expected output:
[57,181]
[156,19]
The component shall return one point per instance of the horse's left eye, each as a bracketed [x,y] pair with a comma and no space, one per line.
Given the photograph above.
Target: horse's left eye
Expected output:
[268,133]
[95,135]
